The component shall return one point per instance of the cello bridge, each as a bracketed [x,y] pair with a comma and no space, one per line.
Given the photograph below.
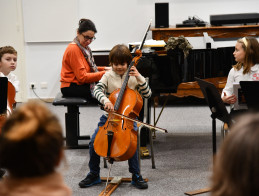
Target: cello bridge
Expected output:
[113,122]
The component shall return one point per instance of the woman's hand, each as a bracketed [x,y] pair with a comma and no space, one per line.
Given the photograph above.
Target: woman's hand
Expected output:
[134,71]
[109,107]
[229,99]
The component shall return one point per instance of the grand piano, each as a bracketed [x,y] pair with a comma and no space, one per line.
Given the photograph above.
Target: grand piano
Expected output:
[169,72]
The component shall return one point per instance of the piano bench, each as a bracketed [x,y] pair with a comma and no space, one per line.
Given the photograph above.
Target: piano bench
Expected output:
[72,120]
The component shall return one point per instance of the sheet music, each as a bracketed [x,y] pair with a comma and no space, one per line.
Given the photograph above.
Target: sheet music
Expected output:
[241,102]
[150,43]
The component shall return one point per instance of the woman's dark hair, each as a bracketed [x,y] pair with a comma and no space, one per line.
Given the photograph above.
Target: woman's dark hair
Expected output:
[86,25]
[120,54]
[31,142]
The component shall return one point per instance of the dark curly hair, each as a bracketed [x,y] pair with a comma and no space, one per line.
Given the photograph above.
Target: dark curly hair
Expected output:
[120,54]
[86,25]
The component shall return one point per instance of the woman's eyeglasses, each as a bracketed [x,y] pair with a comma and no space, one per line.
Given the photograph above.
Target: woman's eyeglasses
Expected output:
[87,38]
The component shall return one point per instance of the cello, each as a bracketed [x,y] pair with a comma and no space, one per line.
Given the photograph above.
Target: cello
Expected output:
[117,140]
[7,99]
[11,92]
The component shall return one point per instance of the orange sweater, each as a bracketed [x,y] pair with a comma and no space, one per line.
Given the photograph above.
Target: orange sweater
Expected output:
[75,69]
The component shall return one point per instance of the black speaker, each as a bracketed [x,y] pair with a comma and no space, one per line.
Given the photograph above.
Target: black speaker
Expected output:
[161,15]
[227,19]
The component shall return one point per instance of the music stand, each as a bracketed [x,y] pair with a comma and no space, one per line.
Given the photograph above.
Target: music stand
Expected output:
[250,90]
[3,94]
[216,105]
[218,111]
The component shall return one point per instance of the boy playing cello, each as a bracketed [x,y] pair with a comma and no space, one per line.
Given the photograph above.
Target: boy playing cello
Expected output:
[119,58]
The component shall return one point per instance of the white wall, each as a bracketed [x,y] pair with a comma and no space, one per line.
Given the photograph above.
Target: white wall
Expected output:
[11,33]
[43,65]
[117,21]
[181,9]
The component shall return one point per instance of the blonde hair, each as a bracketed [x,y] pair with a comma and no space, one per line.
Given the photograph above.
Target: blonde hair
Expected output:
[31,142]
[251,48]
[236,170]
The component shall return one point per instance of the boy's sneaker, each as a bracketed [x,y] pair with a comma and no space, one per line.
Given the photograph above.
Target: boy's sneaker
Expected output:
[90,180]
[138,182]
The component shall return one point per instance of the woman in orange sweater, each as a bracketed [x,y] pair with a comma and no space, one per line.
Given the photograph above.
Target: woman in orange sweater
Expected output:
[79,71]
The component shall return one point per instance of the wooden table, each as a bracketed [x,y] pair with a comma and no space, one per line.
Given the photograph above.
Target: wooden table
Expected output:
[214,32]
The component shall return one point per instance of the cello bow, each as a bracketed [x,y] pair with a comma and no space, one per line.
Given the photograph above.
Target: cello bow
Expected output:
[137,121]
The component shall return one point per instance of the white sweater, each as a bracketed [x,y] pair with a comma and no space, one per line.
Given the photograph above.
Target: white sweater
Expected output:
[235,76]
[13,79]
[111,81]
